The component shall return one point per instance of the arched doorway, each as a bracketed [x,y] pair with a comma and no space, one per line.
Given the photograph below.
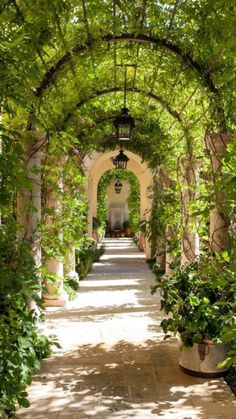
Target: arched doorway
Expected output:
[98,164]
[119,210]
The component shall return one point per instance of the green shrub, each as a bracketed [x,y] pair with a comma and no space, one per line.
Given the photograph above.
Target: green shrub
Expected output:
[22,346]
[71,286]
[98,252]
[73,283]
[200,298]
[126,224]
[158,271]
[85,259]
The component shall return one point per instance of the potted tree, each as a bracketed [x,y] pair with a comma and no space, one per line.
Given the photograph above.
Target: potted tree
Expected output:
[200,299]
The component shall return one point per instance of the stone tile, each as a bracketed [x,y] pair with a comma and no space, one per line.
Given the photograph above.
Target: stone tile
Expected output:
[35,415]
[212,408]
[139,358]
[72,414]
[137,368]
[161,358]
[117,391]
[173,375]
[144,393]
[140,379]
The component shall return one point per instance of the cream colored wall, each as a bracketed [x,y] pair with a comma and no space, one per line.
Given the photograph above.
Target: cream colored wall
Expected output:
[99,163]
[114,199]
[113,196]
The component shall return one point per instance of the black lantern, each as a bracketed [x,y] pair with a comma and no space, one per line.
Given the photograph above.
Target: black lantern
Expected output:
[118,186]
[121,160]
[124,122]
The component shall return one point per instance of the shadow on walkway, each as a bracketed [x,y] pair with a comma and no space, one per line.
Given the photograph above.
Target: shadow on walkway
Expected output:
[114,362]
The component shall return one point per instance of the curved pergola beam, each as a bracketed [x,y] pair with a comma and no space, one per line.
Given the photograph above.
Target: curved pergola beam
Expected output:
[103,92]
[186,58]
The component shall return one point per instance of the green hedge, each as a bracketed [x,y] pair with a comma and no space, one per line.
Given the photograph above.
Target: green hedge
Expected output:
[85,259]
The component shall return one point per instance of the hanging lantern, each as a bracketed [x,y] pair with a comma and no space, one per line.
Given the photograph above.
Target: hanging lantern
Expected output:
[118,186]
[121,160]
[124,124]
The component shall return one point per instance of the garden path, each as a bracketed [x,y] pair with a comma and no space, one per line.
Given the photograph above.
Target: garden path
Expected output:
[114,362]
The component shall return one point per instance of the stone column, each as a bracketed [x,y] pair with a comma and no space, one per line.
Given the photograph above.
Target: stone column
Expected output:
[170,235]
[148,250]
[161,251]
[190,238]
[160,183]
[29,199]
[55,296]
[219,221]
[90,195]
[69,268]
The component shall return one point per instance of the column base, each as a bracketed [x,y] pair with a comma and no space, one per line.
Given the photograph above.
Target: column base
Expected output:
[54,301]
[72,275]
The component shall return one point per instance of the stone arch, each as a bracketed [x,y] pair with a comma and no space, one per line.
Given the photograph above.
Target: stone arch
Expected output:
[99,163]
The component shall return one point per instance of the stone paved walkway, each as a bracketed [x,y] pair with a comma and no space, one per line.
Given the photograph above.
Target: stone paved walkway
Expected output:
[114,362]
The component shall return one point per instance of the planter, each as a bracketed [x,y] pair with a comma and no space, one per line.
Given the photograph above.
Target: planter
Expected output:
[201,359]
[127,232]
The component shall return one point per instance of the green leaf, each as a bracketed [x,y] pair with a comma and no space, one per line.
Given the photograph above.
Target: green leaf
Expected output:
[23,402]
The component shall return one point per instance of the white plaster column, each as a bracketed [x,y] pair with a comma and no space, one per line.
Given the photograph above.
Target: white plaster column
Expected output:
[55,296]
[219,221]
[29,199]
[190,238]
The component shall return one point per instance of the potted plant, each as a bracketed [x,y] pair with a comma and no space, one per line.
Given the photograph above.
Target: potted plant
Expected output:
[126,226]
[96,225]
[200,299]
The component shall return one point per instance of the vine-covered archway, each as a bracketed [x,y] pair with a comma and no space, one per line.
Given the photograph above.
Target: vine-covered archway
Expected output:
[62,85]
[133,199]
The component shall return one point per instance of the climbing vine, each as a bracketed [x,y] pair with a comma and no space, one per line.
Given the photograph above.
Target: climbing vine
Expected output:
[65,205]
[62,73]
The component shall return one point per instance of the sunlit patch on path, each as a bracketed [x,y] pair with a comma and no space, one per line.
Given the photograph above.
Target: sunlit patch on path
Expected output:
[114,362]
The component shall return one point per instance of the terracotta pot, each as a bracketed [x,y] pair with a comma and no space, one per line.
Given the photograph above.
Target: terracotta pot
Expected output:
[128,232]
[202,359]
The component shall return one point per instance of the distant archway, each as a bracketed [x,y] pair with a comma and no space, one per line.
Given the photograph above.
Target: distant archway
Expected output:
[114,209]
[99,163]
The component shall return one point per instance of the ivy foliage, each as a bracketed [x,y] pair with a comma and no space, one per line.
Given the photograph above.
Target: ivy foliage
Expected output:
[65,206]
[166,210]
[13,174]
[46,47]
[62,71]
[200,299]
[133,199]
[86,257]
[22,345]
